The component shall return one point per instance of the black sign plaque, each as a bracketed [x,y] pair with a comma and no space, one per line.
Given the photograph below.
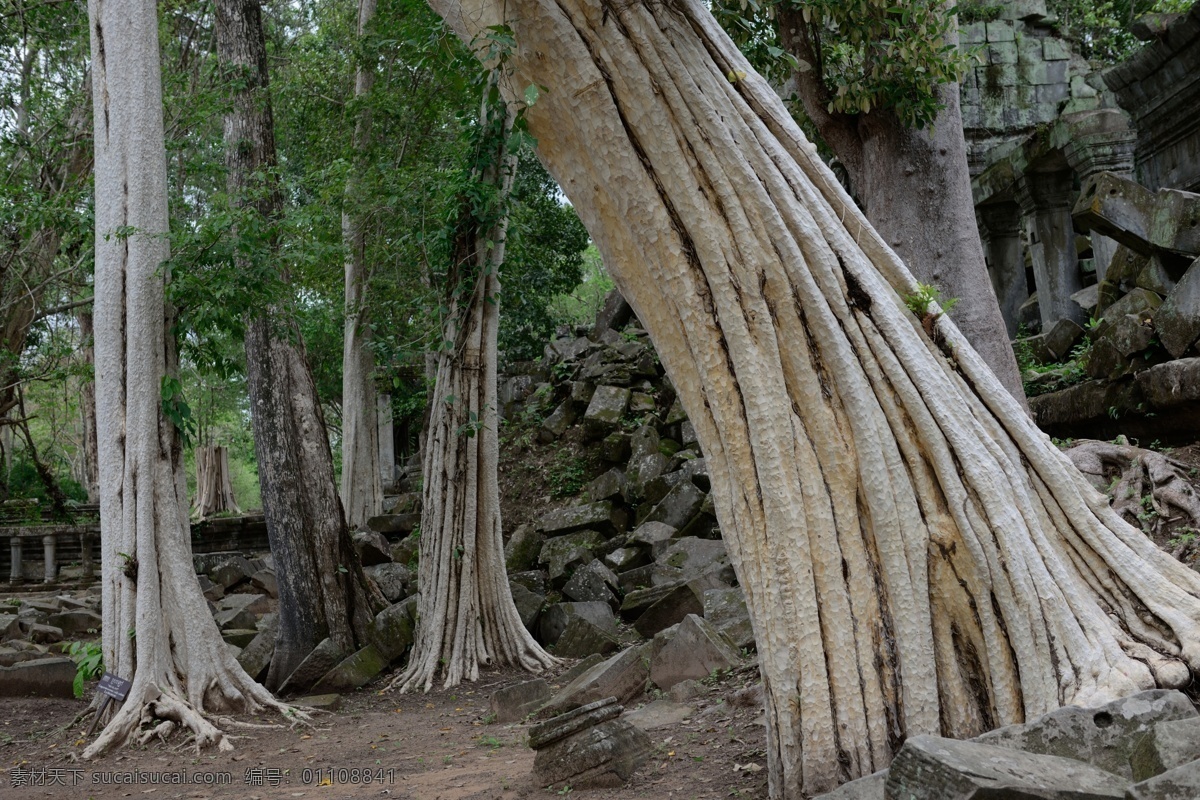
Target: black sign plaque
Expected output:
[114,687]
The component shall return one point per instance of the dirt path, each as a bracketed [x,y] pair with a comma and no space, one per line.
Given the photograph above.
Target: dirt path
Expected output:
[424,747]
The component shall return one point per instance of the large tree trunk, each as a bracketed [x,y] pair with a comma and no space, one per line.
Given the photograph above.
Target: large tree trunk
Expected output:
[917,557]
[362,484]
[915,188]
[214,492]
[322,589]
[153,633]
[87,409]
[466,612]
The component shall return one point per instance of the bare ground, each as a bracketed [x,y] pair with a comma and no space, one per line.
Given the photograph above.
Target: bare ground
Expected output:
[425,747]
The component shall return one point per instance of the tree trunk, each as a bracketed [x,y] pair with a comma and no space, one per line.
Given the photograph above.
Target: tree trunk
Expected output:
[915,188]
[322,589]
[466,612]
[362,484]
[214,493]
[87,409]
[153,635]
[916,556]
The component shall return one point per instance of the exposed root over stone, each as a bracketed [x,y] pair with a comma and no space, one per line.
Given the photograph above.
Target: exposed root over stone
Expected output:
[1148,489]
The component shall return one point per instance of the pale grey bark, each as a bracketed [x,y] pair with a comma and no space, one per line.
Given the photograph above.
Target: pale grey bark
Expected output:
[466,614]
[362,486]
[180,668]
[916,556]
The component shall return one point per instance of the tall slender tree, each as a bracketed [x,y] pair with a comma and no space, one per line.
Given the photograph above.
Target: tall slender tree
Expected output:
[322,590]
[179,666]
[466,612]
[362,489]
[917,557]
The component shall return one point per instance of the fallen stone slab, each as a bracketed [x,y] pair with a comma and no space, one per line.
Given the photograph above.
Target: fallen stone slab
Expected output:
[321,702]
[393,629]
[694,650]
[205,563]
[75,622]
[582,638]
[558,616]
[933,768]
[1143,220]
[324,657]
[514,703]
[521,550]
[659,714]
[256,655]
[622,676]
[394,524]
[589,748]
[1168,745]
[679,506]
[1177,320]
[726,610]
[265,581]
[589,516]
[563,553]
[45,677]
[607,405]
[529,604]
[395,581]
[231,572]
[870,787]
[1181,783]
[355,671]
[372,547]
[1104,737]
[239,637]
[235,619]
[593,582]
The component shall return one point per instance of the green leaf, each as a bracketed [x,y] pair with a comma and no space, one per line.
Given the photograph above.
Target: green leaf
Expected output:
[531,94]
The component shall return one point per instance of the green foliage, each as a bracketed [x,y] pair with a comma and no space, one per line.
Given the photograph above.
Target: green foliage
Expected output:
[567,475]
[89,663]
[1100,28]
[978,11]
[919,301]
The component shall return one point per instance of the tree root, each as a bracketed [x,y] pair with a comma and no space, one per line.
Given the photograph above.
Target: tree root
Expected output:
[1148,489]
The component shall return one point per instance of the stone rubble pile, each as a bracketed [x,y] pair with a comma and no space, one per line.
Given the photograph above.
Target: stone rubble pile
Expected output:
[1142,747]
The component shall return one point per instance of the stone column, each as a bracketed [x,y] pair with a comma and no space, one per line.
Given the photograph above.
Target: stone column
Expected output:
[85,556]
[48,543]
[15,574]
[1046,199]
[387,445]
[1000,224]
[1110,151]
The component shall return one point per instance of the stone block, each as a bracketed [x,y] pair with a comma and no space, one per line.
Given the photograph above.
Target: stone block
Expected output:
[999,54]
[236,619]
[933,768]
[622,676]
[603,755]
[1168,745]
[239,638]
[565,553]
[1118,343]
[613,315]
[1087,298]
[256,655]
[521,550]
[264,580]
[608,486]
[679,506]
[1062,337]
[593,516]
[324,657]
[1167,220]
[529,604]
[45,677]
[1000,31]
[726,610]
[1054,49]
[1172,383]
[556,423]
[372,548]
[1177,320]
[1181,783]
[1155,277]
[534,580]
[355,671]
[593,582]
[394,525]
[392,630]
[1104,736]
[395,581]
[624,559]
[76,622]
[608,405]
[231,572]
[614,448]
[689,556]
[693,651]
[673,604]
[205,563]
[321,702]
[558,616]
[514,703]
[972,33]
[660,713]
[869,788]
[583,638]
